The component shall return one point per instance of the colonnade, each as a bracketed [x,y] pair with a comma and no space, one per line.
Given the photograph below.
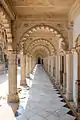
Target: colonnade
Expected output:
[26,65]
[60,69]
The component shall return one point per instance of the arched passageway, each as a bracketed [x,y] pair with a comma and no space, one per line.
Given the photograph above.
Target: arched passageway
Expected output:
[39,60]
[42,32]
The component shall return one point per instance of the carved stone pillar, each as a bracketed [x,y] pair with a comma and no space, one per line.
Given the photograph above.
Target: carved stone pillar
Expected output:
[12,76]
[70,34]
[56,80]
[52,66]
[61,73]
[48,64]
[28,65]
[32,64]
[69,70]
[78,81]
[64,75]
[57,72]
[23,69]
[30,68]
[44,65]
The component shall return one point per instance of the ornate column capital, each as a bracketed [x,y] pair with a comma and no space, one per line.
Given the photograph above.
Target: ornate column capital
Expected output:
[68,52]
[62,53]
[76,49]
[12,57]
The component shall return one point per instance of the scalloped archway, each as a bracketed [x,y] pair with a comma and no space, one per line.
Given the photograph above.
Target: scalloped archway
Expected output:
[41,27]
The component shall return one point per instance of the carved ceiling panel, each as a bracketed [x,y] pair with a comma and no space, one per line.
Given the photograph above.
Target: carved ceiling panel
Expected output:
[24,7]
[41,2]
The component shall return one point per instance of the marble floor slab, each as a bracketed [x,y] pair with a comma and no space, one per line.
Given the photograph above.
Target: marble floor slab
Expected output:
[42,101]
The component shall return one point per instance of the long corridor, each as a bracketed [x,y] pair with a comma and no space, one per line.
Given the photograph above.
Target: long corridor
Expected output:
[44,102]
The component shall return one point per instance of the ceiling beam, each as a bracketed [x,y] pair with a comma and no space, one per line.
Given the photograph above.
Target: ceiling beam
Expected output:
[8,9]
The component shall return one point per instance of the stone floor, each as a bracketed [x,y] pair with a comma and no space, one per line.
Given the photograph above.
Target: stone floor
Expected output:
[41,101]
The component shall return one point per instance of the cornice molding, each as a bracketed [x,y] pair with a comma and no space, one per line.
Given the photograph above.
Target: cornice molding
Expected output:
[43,17]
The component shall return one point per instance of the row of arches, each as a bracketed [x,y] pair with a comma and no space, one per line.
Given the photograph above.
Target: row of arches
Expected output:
[5,39]
[38,43]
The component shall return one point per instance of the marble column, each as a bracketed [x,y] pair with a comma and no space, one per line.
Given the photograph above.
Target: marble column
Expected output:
[32,63]
[57,72]
[29,65]
[48,64]
[12,76]
[23,69]
[78,81]
[44,65]
[69,64]
[60,71]
[30,68]
[69,70]
[64,75]
[52,66]
[26,65]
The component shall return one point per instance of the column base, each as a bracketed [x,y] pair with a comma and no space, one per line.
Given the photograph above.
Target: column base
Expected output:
[28,77]
[23,83]
[64,89]
[78,108]
[57,85]
[69,96]
[78,95]
[14,98]
[64,82]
